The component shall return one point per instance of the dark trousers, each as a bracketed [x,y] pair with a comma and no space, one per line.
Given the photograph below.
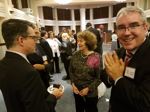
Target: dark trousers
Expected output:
[66,65]
[56,63]
[85,104]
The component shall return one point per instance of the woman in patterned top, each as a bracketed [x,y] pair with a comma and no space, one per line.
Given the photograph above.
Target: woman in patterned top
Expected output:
[84,73]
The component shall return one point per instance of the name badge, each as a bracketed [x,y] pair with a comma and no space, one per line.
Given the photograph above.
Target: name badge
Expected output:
[44,58]
[130,72]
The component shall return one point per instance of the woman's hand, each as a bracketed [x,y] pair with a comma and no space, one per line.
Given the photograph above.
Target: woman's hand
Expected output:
[75,89]
[84,91]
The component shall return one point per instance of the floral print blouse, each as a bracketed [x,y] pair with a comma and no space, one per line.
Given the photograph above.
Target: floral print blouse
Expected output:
[85,71]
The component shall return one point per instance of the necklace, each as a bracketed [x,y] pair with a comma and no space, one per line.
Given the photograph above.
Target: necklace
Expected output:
[84,56]
[83,59]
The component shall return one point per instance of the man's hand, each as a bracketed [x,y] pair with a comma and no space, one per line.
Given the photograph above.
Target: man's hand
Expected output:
[39,66]
[58,92]
[113,65]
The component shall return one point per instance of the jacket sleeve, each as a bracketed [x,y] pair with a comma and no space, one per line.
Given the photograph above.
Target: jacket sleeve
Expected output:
[34,94]
[51,100]
[106,79]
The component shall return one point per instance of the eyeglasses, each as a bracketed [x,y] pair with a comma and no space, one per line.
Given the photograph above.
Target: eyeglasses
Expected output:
[35,38]
[131,27]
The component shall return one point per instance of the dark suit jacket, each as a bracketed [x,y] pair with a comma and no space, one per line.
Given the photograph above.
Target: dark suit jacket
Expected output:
[47,49]
[44,74]
[21,86]
[66,51]
[132,95]
[99,40]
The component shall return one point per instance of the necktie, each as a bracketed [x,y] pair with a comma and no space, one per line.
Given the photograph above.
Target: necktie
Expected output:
[128,57]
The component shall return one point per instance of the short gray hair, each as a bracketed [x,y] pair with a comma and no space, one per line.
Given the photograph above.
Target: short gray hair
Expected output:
[126,10]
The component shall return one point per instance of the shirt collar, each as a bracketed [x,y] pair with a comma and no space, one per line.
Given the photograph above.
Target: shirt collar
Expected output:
[21,54]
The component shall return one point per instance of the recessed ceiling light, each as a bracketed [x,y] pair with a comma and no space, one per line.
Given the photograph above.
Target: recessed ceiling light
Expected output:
[63,1]
[120,0]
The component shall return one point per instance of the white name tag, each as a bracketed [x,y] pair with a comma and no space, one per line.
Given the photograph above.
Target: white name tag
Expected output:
[44,58]
[130,72]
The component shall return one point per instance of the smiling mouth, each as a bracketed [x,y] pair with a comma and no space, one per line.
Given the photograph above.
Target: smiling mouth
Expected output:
[128,39]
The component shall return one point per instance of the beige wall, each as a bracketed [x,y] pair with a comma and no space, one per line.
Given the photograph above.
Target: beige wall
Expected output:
[2,48]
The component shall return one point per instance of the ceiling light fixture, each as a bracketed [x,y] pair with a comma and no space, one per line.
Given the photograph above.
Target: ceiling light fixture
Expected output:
[120,0]
[63,1]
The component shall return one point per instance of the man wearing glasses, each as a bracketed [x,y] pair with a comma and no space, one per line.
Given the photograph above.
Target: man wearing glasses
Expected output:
[20,83]
[131,82]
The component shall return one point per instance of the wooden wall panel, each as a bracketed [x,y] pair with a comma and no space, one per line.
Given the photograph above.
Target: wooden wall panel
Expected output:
[49,28]
[117,7]
[48,13]
[78,29]
[61,27]
[77,14]
[87,12]
[101,12]
[64,14]
[24,3]
[15,3]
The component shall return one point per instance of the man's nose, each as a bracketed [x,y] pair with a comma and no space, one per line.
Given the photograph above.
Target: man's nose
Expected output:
[127,31]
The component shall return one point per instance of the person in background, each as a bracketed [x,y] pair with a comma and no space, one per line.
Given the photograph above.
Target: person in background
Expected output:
[102,31]
[127,69]
[47,49]
[114,44]
[75,37]
[97,34]
[148,33]
[66,53]
[72,40]
[63,30]
[39,60]
[99,48]
[20,83]
[54,43]
[84,73]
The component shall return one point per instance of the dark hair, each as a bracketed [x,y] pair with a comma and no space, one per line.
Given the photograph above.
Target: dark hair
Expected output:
[88,24]
[12,28]
[50,33]
[73,31]
[90,39]
[42,28]
[43,32]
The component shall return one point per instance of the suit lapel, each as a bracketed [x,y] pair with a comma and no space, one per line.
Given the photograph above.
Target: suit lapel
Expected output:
[138,56]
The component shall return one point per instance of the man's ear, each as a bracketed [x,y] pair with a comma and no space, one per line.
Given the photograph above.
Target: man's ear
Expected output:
[146,26]
[20,40]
